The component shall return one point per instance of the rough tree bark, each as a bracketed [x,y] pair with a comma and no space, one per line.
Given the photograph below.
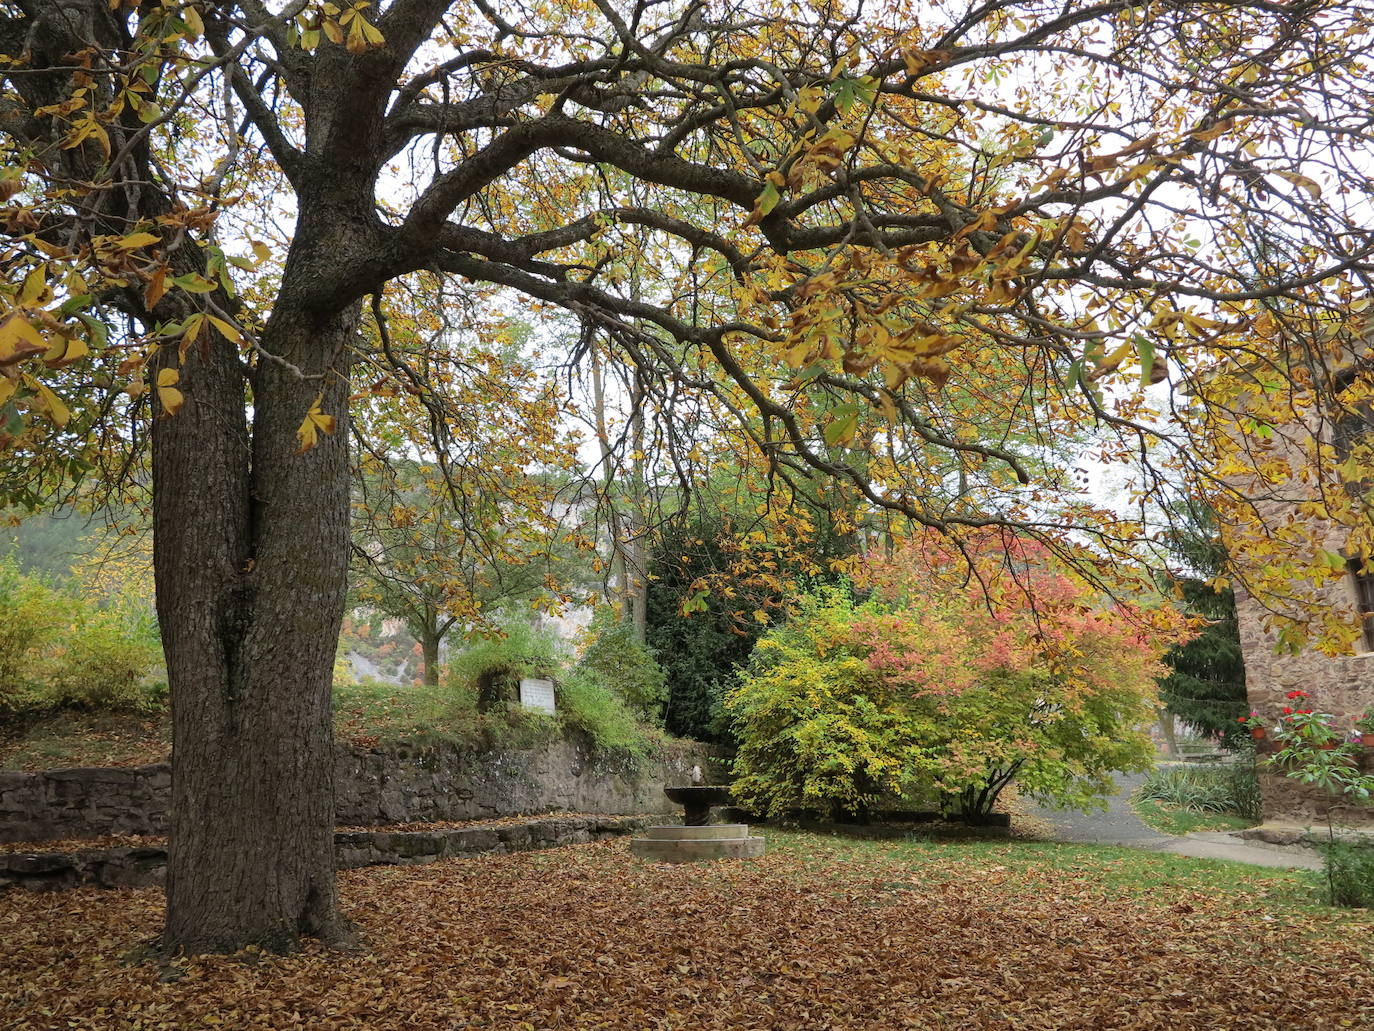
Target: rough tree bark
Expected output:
[250,597]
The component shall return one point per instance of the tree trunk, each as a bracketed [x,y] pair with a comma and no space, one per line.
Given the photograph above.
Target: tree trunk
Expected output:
[250,593]
[429,647]
[1166,727]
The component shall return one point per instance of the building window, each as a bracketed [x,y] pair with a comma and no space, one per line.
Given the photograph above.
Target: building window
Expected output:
[1362,578]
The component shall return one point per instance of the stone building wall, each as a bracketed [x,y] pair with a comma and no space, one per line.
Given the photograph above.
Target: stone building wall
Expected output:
[1341,684]
[371,789]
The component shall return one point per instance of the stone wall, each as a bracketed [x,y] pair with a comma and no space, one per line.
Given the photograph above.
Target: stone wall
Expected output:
[147,866]
[84,803]
[1342,685]
[372,789]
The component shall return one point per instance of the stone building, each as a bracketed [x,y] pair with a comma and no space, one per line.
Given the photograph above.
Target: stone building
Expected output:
[1284,523]
[1342,685]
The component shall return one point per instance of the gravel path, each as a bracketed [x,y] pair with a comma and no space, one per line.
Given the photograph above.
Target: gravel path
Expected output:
[1119,825]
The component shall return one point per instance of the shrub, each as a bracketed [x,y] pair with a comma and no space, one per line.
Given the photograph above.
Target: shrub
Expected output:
[588,706]
[106,657]
[1206,788]
[617,659]
[58,649]
[936,686]
[491,663]
[584,703]
[31,613]
[1349,869]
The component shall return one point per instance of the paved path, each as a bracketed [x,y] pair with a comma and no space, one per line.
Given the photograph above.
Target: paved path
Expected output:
[1119,825]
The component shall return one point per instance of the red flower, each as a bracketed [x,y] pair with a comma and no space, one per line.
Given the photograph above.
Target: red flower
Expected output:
[1287,710]
[1296,694]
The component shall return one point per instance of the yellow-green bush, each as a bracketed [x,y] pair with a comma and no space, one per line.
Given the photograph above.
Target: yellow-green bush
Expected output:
[58,649]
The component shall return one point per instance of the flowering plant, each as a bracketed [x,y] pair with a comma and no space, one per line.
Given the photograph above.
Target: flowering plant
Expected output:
[1365,721]
[1299,724]
[1314,752]
[1252,722]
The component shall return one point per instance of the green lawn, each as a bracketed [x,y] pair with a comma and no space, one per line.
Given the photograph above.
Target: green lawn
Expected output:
[1168,819]
[1107,871]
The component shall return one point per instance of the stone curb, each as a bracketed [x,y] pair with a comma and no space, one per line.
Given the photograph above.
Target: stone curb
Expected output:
[147,867]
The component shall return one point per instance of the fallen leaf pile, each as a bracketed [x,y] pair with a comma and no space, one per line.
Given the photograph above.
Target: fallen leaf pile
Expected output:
[160,841]
[810,936]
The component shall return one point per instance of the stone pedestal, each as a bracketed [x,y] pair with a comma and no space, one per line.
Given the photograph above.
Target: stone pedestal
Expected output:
[689,844]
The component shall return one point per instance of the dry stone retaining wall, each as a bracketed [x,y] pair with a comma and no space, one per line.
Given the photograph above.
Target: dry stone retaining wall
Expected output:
[147,866]
[372,789]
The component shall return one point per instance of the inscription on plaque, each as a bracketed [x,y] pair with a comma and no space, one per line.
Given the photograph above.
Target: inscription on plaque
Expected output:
[537,694]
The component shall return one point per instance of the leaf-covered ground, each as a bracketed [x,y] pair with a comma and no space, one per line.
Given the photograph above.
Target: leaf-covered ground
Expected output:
[821,933]
[160,841]
[85,739]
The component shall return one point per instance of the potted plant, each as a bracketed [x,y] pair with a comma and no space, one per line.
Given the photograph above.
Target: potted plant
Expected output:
[1364,726]
[1254,723]
[1305,727]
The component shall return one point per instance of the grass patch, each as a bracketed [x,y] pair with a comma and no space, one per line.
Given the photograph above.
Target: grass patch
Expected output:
[1170,819]
[72,738]
[1108,871]
[372,713]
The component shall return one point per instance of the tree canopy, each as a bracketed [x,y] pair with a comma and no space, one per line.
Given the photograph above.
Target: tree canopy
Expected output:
[892,255]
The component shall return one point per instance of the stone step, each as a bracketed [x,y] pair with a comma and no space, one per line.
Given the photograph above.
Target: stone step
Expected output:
[711,830]
[661,850]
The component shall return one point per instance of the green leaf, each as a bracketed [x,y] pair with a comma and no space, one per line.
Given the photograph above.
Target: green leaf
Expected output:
[1145,348]
[194,284]
[768,199]
[1075,377]
[74,304]
[841,430]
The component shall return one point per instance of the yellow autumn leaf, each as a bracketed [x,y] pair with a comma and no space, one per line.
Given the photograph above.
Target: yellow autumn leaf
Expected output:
[357,38]
[136,240]
[57,411]
[18,340]
[65,351]
[191,17]
[168,396]
[315,423]
[227,329]
[35,286]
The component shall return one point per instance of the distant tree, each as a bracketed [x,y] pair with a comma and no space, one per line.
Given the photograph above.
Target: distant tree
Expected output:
[700,649]
[1206,683]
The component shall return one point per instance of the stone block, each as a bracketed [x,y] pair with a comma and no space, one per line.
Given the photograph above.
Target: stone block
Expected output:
[689,851]
[710,830]
[474,839]
[515,837]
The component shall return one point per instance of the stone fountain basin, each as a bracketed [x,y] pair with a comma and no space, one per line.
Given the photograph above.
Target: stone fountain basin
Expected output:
[698,796]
